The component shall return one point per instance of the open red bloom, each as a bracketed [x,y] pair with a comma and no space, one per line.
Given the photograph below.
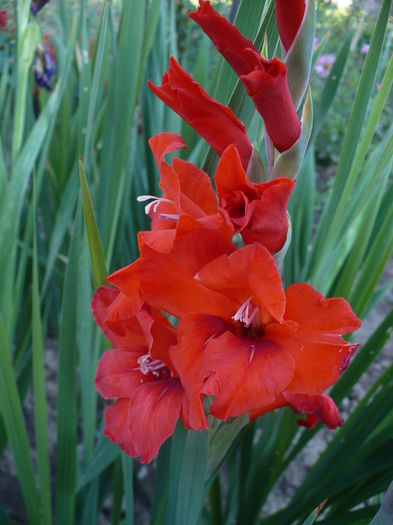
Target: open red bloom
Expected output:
[140,375]
[3,19]
[289,16]
[213,121]
[257,211]
[267,348]
[265,80]
[187,190]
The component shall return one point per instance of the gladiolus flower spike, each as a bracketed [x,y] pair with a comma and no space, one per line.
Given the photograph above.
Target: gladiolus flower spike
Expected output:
[238,338]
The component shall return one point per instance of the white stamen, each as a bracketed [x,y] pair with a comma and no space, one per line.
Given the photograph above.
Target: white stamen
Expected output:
[147,364]
[246,313]
[155,202]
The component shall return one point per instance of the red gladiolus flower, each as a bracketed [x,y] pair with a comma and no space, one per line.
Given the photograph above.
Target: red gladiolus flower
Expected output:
[265,80]
[139,374]
[289,16]
[187,190]
[3,19]
[266,348]
[213,121]
[257,211]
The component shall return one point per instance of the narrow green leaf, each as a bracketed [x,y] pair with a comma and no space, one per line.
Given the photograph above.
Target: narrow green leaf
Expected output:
[191,487]
[301,211]
[11,411]
[385,514]
[106,452]
[353,133]
[151,27]
[96,252]
[28,40]
[221,438]
[90,514]
[123,92]
[331,85]
[40,406]
[161,485]
[314,515]
[128,483]
[67,387]
[96,78]
[373,266]
[117,493]
[64,215]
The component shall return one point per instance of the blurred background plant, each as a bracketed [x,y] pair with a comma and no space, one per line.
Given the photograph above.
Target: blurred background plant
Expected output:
[97,105]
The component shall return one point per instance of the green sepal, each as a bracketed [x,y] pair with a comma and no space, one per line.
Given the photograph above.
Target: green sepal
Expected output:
[299,56]
[256,170]
[289,162]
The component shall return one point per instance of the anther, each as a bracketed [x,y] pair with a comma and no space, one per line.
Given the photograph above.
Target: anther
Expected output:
[155,202]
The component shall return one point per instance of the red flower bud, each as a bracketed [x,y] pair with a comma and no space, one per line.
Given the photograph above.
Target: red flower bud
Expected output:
[265,80]
[289,16]
[213,121]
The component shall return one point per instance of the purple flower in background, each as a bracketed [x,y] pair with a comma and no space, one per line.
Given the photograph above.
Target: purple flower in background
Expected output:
[37,5]
[324,65]
[364,49]
[44,67]
[315,43]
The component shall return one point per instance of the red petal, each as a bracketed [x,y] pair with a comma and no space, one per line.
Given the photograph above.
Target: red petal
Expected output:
[188,356]
[267,217]
[167,280]
[117,373]
[230,175]
[250,271]
[164,143]
[197,196]
[116,427]
[311,335]
[162,337]
[258,210]
[269,91]
[101,300]
[115,315]
[153,414]
[314,313]
[160,240]
[127,280]
[213,121]
[289,16]
[250,372]
[318,407]
[192,412]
